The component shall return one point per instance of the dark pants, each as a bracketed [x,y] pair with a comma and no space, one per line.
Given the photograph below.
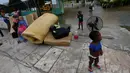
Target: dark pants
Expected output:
[1,33]
[9,26]
[15,27]
[92,60]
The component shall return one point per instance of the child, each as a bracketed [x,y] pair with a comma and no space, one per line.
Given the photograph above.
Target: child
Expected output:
[95,49]
[21,28]
[80,17]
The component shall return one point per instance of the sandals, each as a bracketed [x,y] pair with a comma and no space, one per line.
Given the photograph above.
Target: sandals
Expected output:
[97,66]
[90,69]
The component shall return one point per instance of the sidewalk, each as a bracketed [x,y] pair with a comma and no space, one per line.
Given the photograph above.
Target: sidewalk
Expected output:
[30,58]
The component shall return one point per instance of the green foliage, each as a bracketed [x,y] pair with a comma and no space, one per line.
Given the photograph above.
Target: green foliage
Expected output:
[115,1]
[127,27]
[111,3]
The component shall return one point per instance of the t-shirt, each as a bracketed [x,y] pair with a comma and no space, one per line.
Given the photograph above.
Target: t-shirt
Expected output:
[23,22]
[22,26]
[95,47]
[80,17]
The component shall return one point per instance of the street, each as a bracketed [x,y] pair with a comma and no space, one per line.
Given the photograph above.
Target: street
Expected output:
[30,58]
[112,19]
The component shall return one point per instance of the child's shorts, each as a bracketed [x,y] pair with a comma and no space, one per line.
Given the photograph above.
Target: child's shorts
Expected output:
[81,23]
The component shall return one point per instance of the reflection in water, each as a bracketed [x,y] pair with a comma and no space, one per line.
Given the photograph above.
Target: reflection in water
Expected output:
[119,16]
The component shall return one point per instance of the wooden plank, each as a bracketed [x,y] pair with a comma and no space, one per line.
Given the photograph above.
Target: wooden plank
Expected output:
[69,60]
[37,55]
[46,63]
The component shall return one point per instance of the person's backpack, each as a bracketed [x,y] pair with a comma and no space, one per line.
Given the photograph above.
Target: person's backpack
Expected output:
[59,33]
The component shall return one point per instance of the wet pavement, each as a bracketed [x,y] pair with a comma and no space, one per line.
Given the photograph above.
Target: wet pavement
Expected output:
[112,18]
[30,58]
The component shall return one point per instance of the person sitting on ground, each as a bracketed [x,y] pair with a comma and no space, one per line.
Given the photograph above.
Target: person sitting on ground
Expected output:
[22,26]
[95,48]
[59,32]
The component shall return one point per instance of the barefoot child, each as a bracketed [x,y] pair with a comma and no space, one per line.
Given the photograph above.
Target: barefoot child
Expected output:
[80,18]
[95,48]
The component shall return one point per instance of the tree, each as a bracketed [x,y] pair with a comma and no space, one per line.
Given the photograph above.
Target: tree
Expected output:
[77,1]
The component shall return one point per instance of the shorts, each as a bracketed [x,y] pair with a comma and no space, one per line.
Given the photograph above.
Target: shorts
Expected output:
[80,23]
